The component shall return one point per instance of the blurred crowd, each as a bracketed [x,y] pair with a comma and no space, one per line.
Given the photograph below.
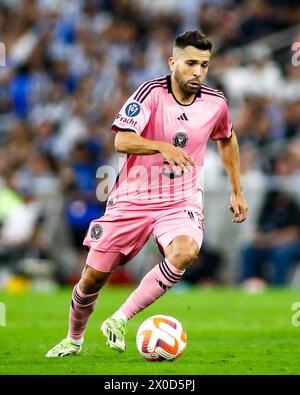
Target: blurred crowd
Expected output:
[69,67]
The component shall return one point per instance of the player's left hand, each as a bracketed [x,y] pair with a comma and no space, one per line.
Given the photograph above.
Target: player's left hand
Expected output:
[239,207]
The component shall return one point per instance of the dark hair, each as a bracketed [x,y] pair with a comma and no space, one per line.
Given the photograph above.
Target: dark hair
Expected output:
[194,38]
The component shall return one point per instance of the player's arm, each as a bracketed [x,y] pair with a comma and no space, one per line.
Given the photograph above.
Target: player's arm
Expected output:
[229,152]
[132,143]
[131,122]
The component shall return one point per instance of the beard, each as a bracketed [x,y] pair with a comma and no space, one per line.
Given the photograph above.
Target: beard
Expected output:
[183,85]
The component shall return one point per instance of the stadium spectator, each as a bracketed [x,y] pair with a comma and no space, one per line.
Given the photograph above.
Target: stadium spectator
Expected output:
[276,242]
[20,234]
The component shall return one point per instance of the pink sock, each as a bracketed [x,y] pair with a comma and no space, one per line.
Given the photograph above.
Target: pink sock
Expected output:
[153,286]
[81,308]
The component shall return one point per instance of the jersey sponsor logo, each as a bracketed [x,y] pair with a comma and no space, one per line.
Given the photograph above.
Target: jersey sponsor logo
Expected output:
[96,232]
[180,139]
[132,109]
[127,121]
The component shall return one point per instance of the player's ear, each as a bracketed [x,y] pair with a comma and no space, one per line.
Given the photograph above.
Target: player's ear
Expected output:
[171,62]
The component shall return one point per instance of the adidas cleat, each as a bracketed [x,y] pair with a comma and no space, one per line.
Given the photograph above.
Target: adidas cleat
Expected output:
[114,331]
[63,349]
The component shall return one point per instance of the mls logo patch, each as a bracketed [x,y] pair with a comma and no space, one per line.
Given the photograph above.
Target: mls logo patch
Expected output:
[132,109]
[96,231]
[180,139]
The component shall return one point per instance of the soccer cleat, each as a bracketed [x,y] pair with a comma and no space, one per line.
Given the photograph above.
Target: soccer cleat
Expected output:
[64,349]
[114,331]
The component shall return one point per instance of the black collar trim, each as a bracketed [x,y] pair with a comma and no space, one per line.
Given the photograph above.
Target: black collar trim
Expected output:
[169,86]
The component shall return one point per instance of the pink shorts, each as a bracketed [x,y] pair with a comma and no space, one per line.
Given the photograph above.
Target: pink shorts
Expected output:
[125,230]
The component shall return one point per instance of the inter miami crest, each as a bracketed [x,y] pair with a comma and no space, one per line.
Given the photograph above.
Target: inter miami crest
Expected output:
[180,139]
[96,231]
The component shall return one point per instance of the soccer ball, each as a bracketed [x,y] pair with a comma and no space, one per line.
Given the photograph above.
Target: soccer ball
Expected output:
[161,338]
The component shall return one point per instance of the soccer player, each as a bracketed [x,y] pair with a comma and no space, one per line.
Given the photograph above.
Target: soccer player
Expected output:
[163,128]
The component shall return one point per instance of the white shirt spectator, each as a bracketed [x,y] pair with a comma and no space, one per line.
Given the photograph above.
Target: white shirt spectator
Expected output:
[19,225]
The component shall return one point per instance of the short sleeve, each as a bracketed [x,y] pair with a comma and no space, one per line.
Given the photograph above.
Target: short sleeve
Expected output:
[134,115]
[223,128]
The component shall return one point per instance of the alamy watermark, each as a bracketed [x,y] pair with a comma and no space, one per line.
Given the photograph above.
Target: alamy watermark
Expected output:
[296,55]
[296,316]
[148,183]
[2,314]
[2,54]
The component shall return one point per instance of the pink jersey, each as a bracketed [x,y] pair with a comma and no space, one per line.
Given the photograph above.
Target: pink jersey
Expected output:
[153,112]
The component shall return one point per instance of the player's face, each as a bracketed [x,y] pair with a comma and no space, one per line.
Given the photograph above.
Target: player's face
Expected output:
[190,66]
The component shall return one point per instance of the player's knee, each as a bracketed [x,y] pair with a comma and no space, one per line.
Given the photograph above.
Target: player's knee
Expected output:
[181,258]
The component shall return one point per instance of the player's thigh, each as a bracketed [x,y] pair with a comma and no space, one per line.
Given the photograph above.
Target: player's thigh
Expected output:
[179,231]
[114,233]
[103,262]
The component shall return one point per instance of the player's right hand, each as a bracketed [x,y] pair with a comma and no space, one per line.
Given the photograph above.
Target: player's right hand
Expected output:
[239,207]
[176,156]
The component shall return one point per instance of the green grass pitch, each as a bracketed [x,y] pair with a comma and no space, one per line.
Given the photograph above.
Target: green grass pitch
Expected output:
[229,332]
